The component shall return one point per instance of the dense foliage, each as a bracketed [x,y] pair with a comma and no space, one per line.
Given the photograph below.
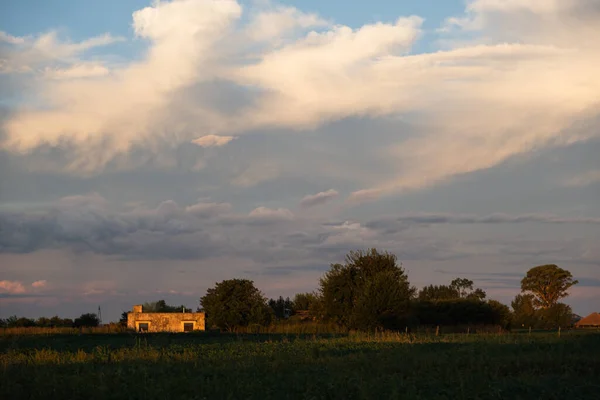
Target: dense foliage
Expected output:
[348,367]
[369,291]
[54,322]
[548,284]
[235,303]
[161,306]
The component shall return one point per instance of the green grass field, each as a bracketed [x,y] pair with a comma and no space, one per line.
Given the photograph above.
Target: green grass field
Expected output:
[278,366]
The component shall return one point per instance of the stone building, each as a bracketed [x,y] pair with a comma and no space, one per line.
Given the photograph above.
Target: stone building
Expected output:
[164,322]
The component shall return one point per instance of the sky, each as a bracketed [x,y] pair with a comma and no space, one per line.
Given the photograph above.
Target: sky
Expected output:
[149,149]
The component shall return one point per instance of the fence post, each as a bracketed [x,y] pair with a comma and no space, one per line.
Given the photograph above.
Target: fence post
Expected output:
[559,331]
[530,331]
[437,330]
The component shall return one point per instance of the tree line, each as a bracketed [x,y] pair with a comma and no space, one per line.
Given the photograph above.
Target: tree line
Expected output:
[371,291]
[85,320]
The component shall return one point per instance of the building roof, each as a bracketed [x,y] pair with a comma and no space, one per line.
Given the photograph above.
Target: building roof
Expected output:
[591,320]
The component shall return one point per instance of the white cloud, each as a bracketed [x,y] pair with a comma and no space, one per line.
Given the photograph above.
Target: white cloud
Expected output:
[26,54]
[213,140]
[274,23]
[81,70]
[264,213]
[39,284]
[105,117]
[477,105]
[5,37]
[11,287]
[319,198]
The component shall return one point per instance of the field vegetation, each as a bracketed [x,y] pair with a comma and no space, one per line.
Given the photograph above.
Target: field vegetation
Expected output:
[357,365]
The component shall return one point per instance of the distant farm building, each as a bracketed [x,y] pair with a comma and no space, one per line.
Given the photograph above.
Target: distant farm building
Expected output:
[164,322]
[591,321]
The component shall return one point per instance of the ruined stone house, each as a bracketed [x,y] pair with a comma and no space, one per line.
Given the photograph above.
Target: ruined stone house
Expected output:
[164,322]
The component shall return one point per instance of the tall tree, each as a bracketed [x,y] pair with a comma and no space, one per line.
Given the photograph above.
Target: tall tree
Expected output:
[548,284]
[235,303]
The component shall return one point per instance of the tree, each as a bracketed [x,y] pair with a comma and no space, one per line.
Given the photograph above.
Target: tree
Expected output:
[555,316]
[124,318]
[235,303]
[501,314]
[548,283]
[383,303]
[465,290]
[161,306]
[436,293]
[459,288]
[303,301]
[282,308]
[86,320]
[524,312]
[369,290]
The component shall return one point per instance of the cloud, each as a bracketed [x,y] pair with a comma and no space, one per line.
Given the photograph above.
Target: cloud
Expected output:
[585,179]
[268,214]
[82,70]
[213,140]
[11,287]
[39,284]
[29,54]
[319,198]
[256,173]
[276,22]
[515,77]
[487,219]
[108,116]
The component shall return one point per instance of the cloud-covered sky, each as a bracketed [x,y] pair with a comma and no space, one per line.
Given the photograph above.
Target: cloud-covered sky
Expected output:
[151,149]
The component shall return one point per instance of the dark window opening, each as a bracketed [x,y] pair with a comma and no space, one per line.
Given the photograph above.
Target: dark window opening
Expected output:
[188,326]
[143,327]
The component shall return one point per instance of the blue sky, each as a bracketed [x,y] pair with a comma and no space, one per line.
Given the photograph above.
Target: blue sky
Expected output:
[149,150]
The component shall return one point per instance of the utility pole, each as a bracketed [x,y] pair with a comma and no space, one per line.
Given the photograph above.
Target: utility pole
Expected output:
[99,316]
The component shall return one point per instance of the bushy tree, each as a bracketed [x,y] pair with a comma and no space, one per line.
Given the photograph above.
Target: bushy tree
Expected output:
[19,322]
[555,316]
[235,303]
[369,290]
[459,288]
[438,292]
[501,314]
[161,306]
[524,311]
[86,320]
[383,303]
[304,301]
[548,284]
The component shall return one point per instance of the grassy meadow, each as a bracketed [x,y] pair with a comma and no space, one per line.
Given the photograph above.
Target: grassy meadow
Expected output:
[299,366]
